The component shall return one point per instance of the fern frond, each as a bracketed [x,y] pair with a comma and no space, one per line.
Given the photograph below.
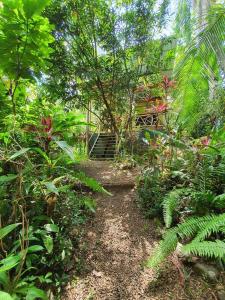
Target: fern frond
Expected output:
[192,225]
[207,249]
[211,227]
[219,201]
[170,203]
[164,249]
[198,227]
[203,227]
[91,183]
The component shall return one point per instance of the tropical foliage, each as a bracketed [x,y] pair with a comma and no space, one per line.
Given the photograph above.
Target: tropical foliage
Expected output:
[40,148]
[62,59]
[191,200]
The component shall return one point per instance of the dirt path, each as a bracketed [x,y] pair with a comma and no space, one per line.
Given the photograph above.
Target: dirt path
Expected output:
[116,243]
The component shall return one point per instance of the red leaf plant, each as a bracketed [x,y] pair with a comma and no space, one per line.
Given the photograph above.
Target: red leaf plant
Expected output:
[43,131]
[161,108]
[167,83]
[205,141]
[47,124]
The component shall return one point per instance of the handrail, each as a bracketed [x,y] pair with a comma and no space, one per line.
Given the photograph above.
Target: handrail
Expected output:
[97,127]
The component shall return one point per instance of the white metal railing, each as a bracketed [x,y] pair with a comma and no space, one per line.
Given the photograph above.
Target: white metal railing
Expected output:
[97,130]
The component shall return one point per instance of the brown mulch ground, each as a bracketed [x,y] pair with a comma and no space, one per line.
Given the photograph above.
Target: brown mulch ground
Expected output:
[110,174]
[115,245]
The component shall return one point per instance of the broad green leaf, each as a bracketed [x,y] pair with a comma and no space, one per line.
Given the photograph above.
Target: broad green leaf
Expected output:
[51,227]
[32,7]
[42,218]
[13,4]
[35,293]
[5,296]
[48,242]
[7,178]
[63,254]
[7,229]
[35,248]
[9,262]
[19,153]
[4,278]
[66,148]
[51,187]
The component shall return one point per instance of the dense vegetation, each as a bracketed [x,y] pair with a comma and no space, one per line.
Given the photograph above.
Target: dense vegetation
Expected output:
[41,190]
[185,185]
[60,59]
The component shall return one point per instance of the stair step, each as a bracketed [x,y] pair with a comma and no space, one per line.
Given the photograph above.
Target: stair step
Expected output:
[105,140]
[107,137]
[103,153]
[101,134]
[107,134]
[100,147]
[104,147]
[100,158]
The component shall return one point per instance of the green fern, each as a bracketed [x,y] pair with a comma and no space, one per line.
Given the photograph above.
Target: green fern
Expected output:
[90,182]
[197,228]
[219,201]
[193,225]
[207,249]
[170,203]
[212,226]
[164,249]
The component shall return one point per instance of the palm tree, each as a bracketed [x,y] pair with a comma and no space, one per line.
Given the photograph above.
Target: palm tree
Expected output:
[200,64]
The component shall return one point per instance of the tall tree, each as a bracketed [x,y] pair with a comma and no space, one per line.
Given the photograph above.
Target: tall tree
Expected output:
[24,39]
[102,50]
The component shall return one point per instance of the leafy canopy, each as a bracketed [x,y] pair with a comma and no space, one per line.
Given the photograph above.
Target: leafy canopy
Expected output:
[24,38]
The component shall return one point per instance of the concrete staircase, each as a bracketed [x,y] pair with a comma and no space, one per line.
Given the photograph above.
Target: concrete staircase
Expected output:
[104,147]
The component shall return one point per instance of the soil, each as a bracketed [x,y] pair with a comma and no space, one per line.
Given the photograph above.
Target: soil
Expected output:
[116,243]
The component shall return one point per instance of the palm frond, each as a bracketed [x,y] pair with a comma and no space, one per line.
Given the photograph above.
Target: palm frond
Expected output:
[207,40]
[199,68]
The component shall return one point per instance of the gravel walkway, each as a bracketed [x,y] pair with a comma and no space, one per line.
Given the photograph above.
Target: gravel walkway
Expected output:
[115,245]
